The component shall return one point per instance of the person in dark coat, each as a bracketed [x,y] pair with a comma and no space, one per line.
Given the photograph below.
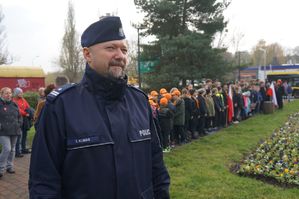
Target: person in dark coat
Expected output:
[188,112]
[172,108]
[203,112]
[279,91]
[217,107]
[165,120]
[263,96]
[194,114]
[10,128]
[223,104]
[238,103]
[97,139]
[179,118]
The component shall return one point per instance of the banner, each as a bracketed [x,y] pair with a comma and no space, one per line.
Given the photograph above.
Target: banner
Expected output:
[148,66]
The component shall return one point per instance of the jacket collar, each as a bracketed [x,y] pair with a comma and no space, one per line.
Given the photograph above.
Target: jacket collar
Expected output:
[3,101]
[109,89]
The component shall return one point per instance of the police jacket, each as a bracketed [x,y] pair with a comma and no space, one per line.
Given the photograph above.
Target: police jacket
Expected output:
[97,140]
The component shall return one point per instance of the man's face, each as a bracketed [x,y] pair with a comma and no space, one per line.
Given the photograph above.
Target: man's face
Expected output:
[108,58]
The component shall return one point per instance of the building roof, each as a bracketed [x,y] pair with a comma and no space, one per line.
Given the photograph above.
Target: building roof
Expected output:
[21,71]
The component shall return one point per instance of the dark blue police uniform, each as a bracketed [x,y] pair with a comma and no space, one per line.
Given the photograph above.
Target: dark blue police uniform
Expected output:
[97,140]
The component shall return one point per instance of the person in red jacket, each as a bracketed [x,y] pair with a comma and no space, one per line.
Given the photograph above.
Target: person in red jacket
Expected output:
[23,105]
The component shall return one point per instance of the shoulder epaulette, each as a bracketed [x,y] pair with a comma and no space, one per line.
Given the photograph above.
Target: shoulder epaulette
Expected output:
[137,89]
[56,92]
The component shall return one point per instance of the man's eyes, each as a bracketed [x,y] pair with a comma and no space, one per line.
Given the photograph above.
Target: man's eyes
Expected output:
[111,48]
[125,51]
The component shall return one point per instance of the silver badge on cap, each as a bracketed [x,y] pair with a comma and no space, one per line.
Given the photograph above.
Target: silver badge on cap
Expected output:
[121,32]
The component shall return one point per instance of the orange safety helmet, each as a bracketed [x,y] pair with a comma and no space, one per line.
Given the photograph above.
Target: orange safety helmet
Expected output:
[162,91]
[176,92]
[167,96]
[163,101]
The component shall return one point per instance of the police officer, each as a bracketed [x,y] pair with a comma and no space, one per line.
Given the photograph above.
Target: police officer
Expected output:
[97,139]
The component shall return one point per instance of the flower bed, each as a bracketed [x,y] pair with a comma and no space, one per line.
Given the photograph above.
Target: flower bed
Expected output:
[276,159]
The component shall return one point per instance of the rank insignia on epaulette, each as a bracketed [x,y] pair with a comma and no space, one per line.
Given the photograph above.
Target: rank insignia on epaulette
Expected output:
[53,95]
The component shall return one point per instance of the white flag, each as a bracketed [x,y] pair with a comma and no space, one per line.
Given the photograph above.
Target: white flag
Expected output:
[274,100]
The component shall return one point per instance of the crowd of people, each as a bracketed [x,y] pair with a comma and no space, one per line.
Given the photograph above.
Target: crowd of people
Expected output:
[16,119]
[183,115]
[180,116]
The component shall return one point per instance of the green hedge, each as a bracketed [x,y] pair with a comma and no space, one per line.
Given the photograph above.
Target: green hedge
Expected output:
[32,98]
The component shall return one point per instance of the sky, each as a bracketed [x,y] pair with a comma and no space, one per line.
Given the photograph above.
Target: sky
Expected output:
[34,28]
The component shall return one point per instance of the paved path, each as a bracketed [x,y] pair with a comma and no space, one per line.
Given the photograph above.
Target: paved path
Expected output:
[15,186]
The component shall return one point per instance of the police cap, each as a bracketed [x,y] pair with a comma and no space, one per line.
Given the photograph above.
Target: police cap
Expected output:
[106,29]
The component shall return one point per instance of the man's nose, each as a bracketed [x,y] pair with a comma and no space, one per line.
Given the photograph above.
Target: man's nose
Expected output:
[119,54]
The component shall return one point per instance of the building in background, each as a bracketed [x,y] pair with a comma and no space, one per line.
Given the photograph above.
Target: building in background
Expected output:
[261,72]
[27,78]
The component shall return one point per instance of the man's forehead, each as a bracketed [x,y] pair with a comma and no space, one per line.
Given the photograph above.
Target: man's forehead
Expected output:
[121,43]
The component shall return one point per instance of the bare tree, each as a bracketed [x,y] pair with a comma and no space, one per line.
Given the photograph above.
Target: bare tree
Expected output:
[4,56]
[236,40]
[71,58]
[132,54]
[132,70]
[258,54]
[264,53]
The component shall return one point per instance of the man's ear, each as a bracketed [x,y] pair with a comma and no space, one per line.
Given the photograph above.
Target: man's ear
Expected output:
[87,54]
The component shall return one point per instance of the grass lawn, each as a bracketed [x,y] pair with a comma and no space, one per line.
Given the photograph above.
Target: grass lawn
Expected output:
[30,136]
[201,169]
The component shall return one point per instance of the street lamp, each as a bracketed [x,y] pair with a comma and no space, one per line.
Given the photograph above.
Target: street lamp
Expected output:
[138,56]
[265,60]
[138,27]
[239,62]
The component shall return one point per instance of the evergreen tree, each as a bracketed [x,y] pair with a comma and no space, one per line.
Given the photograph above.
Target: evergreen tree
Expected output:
[184,30]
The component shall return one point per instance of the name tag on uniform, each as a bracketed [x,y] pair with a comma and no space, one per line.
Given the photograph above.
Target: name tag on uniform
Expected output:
[82,141]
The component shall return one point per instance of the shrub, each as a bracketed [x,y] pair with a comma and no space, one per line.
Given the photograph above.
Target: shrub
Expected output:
[32,98]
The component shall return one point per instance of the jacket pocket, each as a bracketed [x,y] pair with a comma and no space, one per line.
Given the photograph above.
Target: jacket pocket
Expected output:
[148,193]
[88,141]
